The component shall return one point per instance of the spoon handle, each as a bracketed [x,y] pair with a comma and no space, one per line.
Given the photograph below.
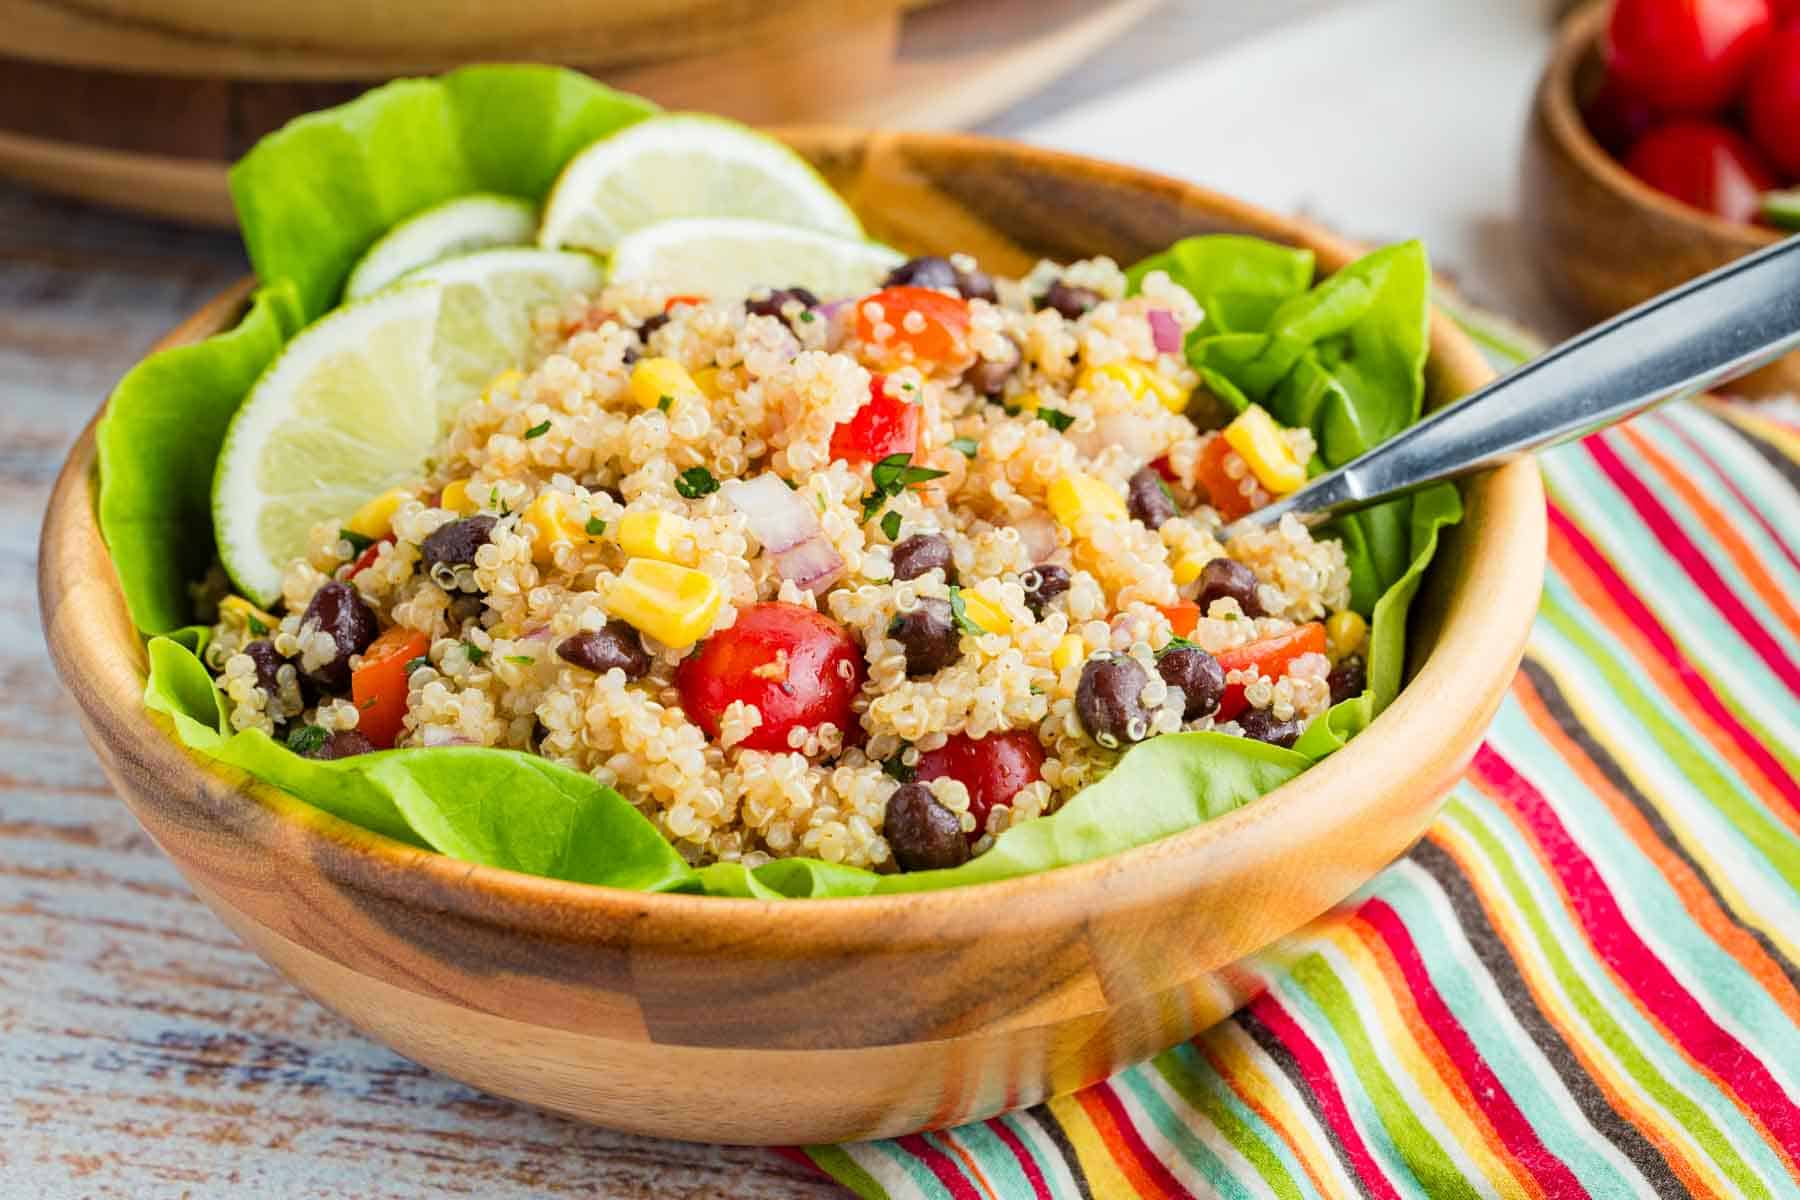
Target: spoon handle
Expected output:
[1682,342]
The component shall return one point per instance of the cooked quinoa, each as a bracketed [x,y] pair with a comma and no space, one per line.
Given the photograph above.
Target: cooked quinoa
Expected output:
[626,443]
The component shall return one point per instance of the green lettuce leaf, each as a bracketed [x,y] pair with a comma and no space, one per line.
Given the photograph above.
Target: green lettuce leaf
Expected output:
[315,194]
[1240,282]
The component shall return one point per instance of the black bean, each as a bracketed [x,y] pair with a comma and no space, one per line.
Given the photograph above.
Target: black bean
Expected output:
[1109,700]
[650,325]
[452,546]
[928,634]
[345,743]
[1349,679]
[772,304]
[268,662]
[631,355]
[614,644]
[336,609]
[1072,302]
[923,834]
[1198,675]
[1260,725]
[1148,499]
[988,376]
[1042,584]
[1224,577]
[922,552]
[926,271]
[977,284]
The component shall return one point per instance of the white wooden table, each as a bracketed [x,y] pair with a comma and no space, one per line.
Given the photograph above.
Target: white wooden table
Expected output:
[143,1051]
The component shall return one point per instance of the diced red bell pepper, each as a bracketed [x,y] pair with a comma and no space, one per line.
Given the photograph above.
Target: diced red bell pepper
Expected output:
[684,298]
[378,686]
[1270,657]
[938,337]
[366,559]
[1161,465]
[1221,489]
[1183,616]
[884,425]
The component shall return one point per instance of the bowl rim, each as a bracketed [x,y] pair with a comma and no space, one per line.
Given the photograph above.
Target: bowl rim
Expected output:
[1445,696]
[1578,37]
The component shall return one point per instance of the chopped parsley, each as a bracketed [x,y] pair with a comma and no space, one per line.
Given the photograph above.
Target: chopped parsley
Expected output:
[967,447]
[415,664]
[896,767]
[366,705]
[696,482]
[475,653]
[1055,419]
[358,543]
[537,431]
[1177,643]
[595,527]
[524,660]
[256,626]
[890,525]
[959,612]
[664,403]
[808,316]
[308,738]
[893,475]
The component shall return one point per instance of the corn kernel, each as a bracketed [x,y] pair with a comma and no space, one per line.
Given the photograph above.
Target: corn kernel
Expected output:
[653,379]
[1068,652]
[505,383]
[235,610]
[675,605]
[455,498]
[1075,496]
[663,535]
[1256,437]
[551,525]
[986,613]
[1188,568]
[707,380]
[1028,402]
[1344,633]
[1141,381]
[375,520]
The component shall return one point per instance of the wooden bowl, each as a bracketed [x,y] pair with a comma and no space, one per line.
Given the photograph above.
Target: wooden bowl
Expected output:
[1602,238]
[828,1020]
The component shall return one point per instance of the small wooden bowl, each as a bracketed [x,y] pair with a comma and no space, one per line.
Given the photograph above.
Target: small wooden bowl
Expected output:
[829,1020]
[1602,238]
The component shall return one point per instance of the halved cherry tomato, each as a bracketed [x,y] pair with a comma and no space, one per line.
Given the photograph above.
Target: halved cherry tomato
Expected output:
[1182,616]
[1705,165]
[1270,657]
[797,667]
[1773,102]
[378,686]
[1686,57]
[1618,118]
[672,301]
[905,324]
[993,768]
[366,559]
[884,425]
[1163,467]
[1221,489]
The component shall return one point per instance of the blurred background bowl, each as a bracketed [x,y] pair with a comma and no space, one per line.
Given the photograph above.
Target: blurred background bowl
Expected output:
[1602,239]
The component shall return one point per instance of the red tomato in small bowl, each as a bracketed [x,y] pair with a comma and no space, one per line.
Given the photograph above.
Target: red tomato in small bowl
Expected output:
[1772,104]
[993,768]
[1686,57]
[1617,118]
[1705,165]
[884,425]
[813,685]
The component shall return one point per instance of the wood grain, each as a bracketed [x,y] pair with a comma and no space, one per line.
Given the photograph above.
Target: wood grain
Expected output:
[828,1020]
[145,1052]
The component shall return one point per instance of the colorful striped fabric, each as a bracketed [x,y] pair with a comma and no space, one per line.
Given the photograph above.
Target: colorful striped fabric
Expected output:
[1585,981]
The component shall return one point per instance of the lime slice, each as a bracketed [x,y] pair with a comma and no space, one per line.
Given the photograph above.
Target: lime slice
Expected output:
[667,168]
[459,226]
[347,411]
[489,299]
[725,258]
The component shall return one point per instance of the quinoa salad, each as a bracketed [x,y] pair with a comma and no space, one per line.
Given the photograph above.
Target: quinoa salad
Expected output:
[863,579]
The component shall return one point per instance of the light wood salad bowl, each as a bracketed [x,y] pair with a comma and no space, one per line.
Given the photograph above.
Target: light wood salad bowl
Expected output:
[827,1020]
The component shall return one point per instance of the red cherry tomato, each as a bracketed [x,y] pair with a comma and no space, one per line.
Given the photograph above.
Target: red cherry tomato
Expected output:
[1270,657]
[1221,489]
[1705,165]
[905,324]
[1786,12]
[993,768]
[1686,57]
[813,685]
[366,559]
[884,425]
[1618,118]
[378,685]
[1773,102]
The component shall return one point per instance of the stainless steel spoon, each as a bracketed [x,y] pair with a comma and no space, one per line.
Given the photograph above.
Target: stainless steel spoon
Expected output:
[1682,342]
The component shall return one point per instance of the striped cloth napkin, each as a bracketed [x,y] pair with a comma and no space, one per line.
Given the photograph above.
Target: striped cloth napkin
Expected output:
[1585,980]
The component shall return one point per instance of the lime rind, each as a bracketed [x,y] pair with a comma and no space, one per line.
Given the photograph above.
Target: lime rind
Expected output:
[461,226]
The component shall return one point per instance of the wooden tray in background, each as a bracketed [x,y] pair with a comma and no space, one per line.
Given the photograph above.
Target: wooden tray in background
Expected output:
[147,120]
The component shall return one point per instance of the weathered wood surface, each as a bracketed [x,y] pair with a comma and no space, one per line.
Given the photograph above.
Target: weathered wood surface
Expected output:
[144,1051]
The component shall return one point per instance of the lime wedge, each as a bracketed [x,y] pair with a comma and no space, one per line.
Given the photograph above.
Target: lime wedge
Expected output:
[459,226]
[484,326]
[1782,209]
[667,168]
[347,410]
[725,258]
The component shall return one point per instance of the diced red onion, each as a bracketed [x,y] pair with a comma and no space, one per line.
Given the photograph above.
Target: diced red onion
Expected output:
[814,564]
[437,735]
[1127,430]
[536,633]
[1038,534]
[1165,331]
[788,529]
